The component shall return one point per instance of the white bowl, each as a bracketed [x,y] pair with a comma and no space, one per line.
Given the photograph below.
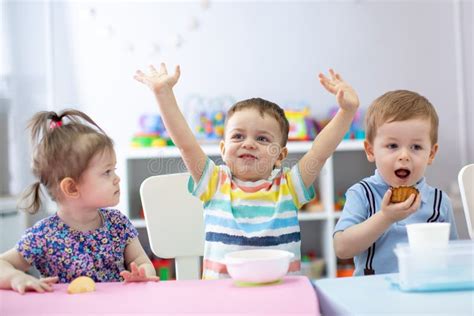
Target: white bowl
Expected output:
[258,265]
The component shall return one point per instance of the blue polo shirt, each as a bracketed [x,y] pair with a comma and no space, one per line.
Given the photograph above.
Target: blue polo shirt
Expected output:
[364,199]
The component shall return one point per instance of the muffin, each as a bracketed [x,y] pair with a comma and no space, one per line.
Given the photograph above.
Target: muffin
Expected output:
[402,193]
[81,284]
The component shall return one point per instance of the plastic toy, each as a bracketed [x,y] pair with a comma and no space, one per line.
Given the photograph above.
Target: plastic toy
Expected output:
[340,200]
[356,130]
[302,127]
[152,132]
[163,267]
[345,268]
[211,125]
[207,116]
[148,140]
[357,126]
[311,265]
[152,124]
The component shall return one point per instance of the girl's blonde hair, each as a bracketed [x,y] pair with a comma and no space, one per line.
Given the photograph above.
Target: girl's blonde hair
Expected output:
[400,105]
[60,150]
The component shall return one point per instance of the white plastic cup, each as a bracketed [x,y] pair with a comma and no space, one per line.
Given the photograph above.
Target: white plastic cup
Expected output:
[428,243]
[425,236]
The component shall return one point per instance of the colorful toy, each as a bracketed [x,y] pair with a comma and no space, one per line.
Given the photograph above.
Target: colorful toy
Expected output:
[163,267]
[340,200]
[211,125]
[207,116]
[152,132]
[311,265]
[345,268]
[152,124]
[356,130]
[148,140]
[302,127]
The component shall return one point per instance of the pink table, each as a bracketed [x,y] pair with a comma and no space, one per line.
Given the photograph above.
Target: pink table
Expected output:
[293,296]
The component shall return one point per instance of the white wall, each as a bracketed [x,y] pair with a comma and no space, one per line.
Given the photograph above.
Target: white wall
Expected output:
[27,89]
[275,50]
[244,49]
[467,53]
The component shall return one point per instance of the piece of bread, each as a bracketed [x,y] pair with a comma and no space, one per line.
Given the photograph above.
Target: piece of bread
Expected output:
[402,193]
[81,284]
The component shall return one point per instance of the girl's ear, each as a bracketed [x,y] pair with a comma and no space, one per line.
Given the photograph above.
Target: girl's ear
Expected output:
[433,151]
[369,151]
[69,188]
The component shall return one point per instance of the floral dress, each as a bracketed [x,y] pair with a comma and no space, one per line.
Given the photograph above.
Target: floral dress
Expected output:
[55,249]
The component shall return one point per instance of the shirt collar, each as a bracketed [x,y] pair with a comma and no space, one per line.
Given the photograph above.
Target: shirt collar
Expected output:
[274,174]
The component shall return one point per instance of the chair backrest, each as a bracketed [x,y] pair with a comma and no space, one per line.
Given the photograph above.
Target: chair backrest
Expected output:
[466,186]
[174,222]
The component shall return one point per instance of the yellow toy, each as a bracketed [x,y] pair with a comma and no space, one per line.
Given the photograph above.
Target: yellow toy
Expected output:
[301,125]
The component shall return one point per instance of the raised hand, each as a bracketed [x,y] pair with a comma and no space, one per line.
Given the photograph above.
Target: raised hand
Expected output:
[158,80]
[346,96]
[24,282]
[398,211]
[137,274]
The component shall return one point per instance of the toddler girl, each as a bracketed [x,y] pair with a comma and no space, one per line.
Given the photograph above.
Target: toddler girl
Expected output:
[74,160]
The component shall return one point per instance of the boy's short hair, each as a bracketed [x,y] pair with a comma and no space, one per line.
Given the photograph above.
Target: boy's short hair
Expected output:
[264,107]
[400,105]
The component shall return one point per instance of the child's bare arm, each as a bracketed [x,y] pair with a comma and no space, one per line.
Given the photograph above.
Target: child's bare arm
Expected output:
[12,275]
[138,263]
[360,237]
[161,83]
[332,134]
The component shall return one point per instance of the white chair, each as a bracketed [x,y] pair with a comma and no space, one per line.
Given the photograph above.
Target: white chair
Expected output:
[466,186]
[174,222]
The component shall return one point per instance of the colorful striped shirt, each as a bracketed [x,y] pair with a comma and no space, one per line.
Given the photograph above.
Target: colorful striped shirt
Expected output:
[240,215]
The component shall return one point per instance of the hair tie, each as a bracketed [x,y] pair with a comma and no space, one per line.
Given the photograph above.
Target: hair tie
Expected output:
[55,124]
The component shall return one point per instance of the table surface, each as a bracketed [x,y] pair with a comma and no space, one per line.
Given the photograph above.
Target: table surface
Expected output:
[375,295]
[294,295]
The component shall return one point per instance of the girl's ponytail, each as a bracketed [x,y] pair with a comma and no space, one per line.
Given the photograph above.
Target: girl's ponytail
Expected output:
[30,199]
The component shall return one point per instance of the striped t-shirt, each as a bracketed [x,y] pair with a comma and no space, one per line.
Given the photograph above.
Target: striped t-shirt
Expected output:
[241,215]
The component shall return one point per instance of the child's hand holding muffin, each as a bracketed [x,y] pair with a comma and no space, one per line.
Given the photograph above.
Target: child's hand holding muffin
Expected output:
[397,211]
[402,193]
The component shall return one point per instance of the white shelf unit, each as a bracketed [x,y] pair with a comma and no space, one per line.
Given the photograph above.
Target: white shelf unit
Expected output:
[144,162]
